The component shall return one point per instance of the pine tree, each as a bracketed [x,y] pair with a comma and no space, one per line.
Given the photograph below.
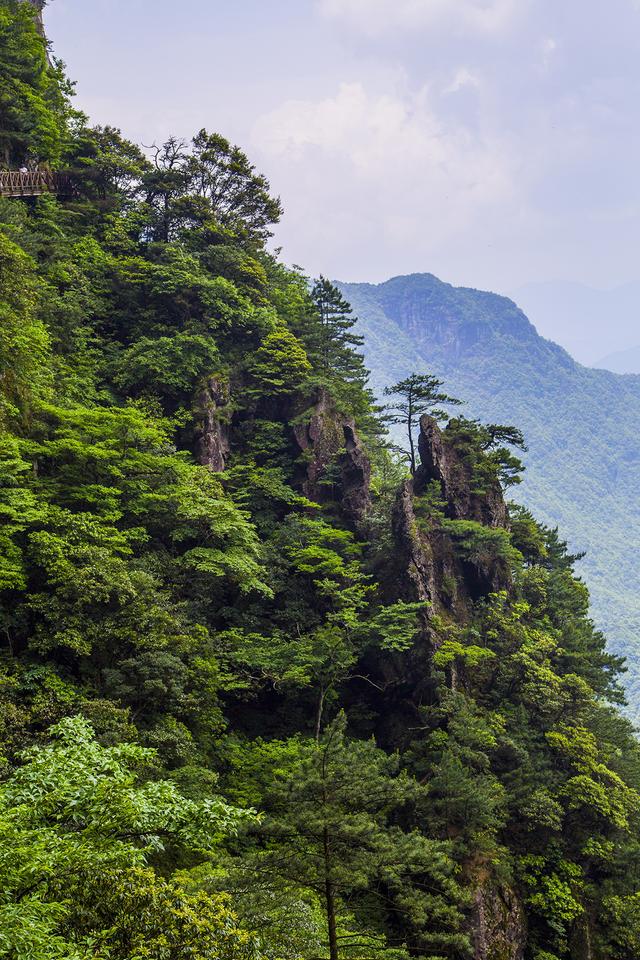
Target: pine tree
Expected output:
[338,345]
[332,828]
[416,395]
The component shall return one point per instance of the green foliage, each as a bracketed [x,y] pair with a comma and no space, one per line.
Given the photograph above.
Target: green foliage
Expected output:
[329,807]
[187,189]
[483,449]
[280,364]
[24,339]
[34,104]
[180,645]
[480,544]
[78,831]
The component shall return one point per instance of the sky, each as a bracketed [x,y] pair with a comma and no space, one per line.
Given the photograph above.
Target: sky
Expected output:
[494,143]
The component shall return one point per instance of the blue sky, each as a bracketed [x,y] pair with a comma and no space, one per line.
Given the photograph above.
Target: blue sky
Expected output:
[492,142]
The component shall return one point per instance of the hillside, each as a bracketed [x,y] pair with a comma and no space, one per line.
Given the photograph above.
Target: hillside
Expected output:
[266,694]
[583,464]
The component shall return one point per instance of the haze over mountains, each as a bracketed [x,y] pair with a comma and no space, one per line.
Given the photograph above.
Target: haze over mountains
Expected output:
[600,328]
[583,463]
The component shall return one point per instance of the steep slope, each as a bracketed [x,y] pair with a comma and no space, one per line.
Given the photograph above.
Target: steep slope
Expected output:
[583,464]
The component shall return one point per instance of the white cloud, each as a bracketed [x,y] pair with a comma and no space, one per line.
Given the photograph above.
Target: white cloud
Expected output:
[548,48]
[379,16]
[463,77]
[385,166]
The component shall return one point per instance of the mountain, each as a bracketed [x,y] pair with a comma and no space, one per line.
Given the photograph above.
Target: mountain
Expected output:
[587,322]
[622,361]
[581,425]
[265,694]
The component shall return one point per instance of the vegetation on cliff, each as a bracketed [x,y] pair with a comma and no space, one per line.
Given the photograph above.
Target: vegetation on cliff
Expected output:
[583,470]
[263,694]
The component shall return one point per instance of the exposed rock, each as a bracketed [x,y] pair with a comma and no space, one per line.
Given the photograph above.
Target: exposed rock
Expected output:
[443,462]
[336,465]
[440,461]
[413,553]
[212,431]
[427,565]
[356,475]
[39,6]
[498,924]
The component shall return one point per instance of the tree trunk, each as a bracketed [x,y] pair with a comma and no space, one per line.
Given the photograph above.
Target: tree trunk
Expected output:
[330,898]
[412,450]
[410,430]
[319,712]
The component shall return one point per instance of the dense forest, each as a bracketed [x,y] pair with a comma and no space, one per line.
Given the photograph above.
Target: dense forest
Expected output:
[268,690]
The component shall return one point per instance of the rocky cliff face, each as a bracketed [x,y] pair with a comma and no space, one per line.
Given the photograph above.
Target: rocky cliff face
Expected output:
[39,7]
[428,564]
[335,467]
[439,460]
[498,924]
[212,432]
[428,567]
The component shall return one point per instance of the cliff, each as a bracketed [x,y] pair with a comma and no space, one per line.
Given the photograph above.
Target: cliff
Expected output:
[583,468]
[38,6]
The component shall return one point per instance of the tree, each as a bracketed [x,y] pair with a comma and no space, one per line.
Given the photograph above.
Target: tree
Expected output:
[337,346]
[280,364]
[239,197]
[210,180]
[487,449]
[331,827]
[78,830]
[415,396]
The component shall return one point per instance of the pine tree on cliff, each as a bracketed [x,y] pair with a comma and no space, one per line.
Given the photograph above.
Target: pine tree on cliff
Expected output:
[337,345]
[415,396]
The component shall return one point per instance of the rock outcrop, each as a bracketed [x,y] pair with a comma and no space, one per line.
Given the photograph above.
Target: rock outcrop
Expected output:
[413,554]
[335,465]
[441,461]
[498,924]
[212,430]
[427,563]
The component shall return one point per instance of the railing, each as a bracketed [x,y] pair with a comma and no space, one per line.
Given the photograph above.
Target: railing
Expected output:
[33,183]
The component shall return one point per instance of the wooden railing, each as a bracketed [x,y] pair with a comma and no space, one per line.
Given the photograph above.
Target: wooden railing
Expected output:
[33,183]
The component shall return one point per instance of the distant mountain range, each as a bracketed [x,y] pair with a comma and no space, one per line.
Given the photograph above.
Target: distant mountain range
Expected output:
[583,464]
[597,327]
[622,361]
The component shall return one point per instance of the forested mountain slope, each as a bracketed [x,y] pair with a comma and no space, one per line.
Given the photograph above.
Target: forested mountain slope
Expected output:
[263,694]
[581,425]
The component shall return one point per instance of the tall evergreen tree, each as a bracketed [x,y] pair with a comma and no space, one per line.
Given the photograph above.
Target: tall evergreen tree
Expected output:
[337,346]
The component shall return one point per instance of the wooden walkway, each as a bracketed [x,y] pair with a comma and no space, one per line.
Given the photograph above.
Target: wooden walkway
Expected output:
[34,183]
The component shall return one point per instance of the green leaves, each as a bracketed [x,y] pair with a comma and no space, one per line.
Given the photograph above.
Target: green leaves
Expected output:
[77,828]
[33,99]
[280,364]
[173,365]
[331,807]
[481,544]
[24,340]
